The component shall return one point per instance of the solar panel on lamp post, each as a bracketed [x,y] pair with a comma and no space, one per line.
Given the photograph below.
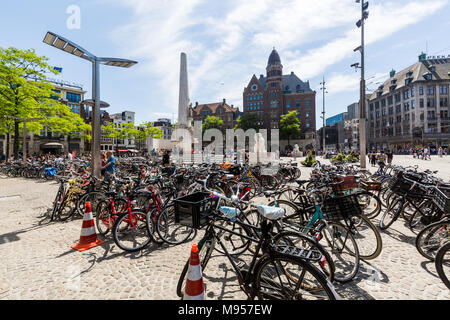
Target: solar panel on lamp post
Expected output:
[68,46]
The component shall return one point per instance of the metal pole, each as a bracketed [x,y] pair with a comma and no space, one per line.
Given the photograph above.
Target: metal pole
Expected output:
[95,145]
[362,100]
[24,147]
[323,115]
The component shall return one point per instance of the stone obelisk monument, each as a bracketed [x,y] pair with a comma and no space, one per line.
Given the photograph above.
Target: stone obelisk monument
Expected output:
[183,102]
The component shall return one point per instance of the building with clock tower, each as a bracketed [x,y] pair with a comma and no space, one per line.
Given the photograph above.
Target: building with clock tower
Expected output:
[277,94]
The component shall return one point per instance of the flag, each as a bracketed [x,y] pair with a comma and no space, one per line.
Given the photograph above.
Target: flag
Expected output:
[58,69]
[73,153]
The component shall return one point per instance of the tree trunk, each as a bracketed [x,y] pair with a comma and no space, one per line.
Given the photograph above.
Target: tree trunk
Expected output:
[16,140]
[7,145]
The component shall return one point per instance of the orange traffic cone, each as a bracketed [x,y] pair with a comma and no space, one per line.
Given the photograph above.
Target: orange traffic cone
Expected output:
[195,289]
[88,237]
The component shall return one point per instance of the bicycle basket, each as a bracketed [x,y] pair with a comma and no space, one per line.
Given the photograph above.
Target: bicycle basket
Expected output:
[348,183]
[370,184]
[340,208]
[402,187]
[442,198]
[193,210]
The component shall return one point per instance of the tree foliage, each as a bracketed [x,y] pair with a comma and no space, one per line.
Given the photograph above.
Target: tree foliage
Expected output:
[247,121]
[212,122]
[26,93]
[289,125]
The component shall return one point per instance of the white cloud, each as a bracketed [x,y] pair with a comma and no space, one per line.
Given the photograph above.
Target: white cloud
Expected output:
[226,42]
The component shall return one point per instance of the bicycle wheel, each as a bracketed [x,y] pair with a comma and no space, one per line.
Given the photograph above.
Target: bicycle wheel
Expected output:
[93,197]
[432,237]
[153,218]
[235,244]
[301,241]
[169,230]
[104,219]
[341,245]
[205,248]
[130,231]
[57,203]
[442,264]
[284,277]
[391,213]
[423,215]
[367,237]
[370,204]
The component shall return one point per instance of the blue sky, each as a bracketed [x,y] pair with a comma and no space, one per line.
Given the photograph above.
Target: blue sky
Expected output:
[226,42]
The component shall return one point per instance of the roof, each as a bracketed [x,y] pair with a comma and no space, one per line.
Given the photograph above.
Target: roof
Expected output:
[291,81]
[415,72]
[274,58]
[213,107]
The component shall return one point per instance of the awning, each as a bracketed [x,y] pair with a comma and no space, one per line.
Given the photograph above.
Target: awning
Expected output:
[52,145]
[133,150]
[123,150]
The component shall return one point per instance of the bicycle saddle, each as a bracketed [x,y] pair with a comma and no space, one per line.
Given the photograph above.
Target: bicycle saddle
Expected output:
[269,193]
[301,182]
[271,213]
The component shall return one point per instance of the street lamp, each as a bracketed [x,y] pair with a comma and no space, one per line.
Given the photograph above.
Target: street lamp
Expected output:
[61,43]
[362,99]
[24,143]
[323,113]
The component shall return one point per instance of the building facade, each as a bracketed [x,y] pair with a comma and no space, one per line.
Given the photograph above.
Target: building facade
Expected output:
[411,108]
[228,114]
[118,119]
[275,94]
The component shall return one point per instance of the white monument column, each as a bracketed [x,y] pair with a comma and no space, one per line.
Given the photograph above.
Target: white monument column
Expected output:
[183,102]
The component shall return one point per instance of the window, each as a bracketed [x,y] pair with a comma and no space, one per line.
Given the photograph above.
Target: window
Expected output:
[383,103]
[413,91]
[443,89]
[74,108]
[390,100]
[421,103]
[443,102]
[307,115]
[391,110]
[307,125]
[399,119]
[288,105]
[371,107]
[73,97]
[297,104]
[406,106]
[406,94]
[421,90]
[413,104]
[307,103]
[274,104]
[383,112]
[430,103]
[377,105]
[398,108]
[430,90]
[398,97]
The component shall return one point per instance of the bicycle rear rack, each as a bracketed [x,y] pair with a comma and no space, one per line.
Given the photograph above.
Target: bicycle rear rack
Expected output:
[306,254]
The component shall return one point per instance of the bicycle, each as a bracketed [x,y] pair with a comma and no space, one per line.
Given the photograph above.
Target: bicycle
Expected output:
[281,272]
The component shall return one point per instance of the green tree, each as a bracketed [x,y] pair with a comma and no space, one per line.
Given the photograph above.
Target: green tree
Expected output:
[26,93]
[145,130]
[247,121]
[289,125]
[212,122]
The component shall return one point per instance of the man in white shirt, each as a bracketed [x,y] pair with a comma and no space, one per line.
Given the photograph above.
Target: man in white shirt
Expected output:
[69,156]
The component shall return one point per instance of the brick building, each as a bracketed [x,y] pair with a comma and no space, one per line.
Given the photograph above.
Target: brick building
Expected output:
[276,94]
[221,110]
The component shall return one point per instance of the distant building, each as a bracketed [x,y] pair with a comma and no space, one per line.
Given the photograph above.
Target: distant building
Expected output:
[411,108]
[228,114]
[276,94]
[118,119]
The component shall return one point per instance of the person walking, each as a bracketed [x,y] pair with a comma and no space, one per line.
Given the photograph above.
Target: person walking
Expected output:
[109,167]
[440,152]
[390,156]
[166,159]
[374,158]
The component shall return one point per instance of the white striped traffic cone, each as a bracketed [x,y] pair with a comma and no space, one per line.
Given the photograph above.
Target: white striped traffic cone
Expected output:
[88,237]
[194,289]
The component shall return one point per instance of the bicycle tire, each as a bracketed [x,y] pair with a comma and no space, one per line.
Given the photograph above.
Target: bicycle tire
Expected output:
[266,286]
[153,218]
[204,252]
[343,248]
[364,228]
[388,217]
[443,258]
[431,238]
[171,232]
[104,219]
[370,204]
[123,228]
[94,197]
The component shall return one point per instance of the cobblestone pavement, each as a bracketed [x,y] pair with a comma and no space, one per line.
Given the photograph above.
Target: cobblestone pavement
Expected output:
[38,263]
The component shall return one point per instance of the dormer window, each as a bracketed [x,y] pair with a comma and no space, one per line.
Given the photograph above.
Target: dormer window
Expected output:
[432,68]
[428,76]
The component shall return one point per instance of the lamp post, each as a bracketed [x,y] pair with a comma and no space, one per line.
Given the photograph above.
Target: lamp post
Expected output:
[61,43]
[24,143]
[323,113]
[362,99]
